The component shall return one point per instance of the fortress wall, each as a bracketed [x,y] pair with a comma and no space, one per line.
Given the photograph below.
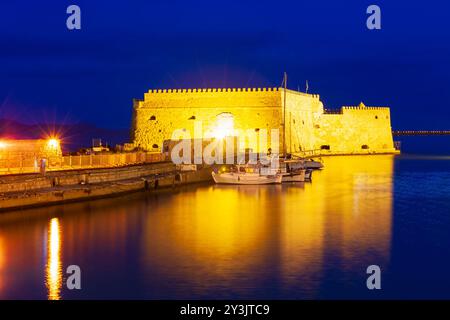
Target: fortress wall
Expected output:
[301,110]
[307,126]
[355,127]
[216,97]
[172,110]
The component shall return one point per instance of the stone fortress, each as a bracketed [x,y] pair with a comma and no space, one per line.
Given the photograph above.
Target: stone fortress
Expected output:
[309,127]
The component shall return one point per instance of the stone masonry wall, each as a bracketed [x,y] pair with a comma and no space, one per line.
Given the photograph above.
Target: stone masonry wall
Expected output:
[162,112]
[354,130]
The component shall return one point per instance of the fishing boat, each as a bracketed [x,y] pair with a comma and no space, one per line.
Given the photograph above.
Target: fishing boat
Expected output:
[298,176]
[246,174]
[313,164]
[292,171]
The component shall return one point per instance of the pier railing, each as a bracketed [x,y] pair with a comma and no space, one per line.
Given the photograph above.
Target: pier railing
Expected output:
[11,164]
[397,133]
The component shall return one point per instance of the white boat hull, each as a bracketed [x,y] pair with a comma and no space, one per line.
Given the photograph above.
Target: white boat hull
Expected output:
[246,178]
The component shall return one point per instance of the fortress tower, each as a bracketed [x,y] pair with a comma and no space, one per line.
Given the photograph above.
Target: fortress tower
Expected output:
[351,130]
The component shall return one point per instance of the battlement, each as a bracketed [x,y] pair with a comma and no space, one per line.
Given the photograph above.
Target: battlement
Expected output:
[211,90]
[364,108]
[198,90]
[212,98]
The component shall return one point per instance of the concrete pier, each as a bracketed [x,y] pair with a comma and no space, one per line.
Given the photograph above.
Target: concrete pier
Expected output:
[30,190]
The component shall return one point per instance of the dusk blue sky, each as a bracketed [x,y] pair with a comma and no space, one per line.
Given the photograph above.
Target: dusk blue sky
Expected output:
[48,73]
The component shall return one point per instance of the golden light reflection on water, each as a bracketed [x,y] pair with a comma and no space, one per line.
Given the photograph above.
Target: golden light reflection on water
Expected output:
[346,213]
[54,265]
[207,234]
[209,241]
[366,206]
[239,237]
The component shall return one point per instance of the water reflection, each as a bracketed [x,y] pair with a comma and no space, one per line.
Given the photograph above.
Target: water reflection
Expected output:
[54,265]
[226,241]
[341,222]
[278,241]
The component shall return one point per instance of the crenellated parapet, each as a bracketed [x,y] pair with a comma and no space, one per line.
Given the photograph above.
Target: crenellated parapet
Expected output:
[212,98]
[229,90]
[364,108]
[198,90]
[219,97]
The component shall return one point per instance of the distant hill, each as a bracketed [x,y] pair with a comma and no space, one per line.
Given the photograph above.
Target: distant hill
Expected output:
[73,136]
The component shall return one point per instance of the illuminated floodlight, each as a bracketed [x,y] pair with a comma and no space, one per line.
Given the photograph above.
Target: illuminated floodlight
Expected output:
[224,126]
[53,143]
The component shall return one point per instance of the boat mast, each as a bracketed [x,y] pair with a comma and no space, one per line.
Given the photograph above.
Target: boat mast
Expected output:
[284,116]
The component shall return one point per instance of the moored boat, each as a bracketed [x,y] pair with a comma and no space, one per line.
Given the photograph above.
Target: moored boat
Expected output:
[247,174]
[294,171]
[312,164]
[298,176]
[245,178]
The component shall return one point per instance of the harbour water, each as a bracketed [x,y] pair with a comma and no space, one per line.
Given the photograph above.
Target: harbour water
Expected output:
[298,241]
